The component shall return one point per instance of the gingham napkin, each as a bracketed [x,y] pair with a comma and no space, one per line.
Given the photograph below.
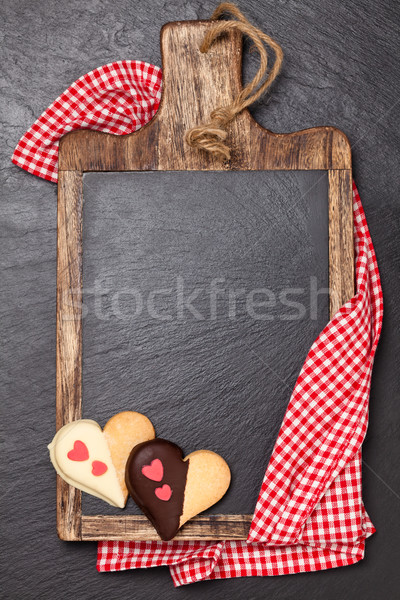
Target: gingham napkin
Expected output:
[309,515]
[116,98]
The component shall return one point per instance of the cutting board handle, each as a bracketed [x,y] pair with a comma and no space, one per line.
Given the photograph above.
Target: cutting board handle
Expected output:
[194,84]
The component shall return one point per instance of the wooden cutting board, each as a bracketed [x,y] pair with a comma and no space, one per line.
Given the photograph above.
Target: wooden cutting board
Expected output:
[193,85]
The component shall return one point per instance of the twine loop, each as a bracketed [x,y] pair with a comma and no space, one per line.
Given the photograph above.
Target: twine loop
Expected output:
[211,136]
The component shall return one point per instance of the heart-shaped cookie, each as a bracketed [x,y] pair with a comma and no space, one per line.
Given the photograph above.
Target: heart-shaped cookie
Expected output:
[187,486]
[94,461]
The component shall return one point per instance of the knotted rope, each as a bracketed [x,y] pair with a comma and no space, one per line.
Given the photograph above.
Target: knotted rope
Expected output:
[211,136]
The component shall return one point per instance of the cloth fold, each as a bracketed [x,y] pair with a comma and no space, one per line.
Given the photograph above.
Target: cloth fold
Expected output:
[116,98]
[326,420]
[309,515]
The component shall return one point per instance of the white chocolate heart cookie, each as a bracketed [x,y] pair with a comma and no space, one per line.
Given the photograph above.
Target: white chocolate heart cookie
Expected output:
[94,461]
[80,455]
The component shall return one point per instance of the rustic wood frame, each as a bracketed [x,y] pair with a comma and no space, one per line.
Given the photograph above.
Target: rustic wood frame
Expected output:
[212,80]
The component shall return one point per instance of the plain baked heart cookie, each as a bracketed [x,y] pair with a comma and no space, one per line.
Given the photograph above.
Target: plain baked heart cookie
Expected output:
[122,432]
[171,489]
[94,461]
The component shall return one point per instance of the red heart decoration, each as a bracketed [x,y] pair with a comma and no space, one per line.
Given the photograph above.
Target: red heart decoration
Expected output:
[163,493]
[154,471]
[79,452]
[98,468]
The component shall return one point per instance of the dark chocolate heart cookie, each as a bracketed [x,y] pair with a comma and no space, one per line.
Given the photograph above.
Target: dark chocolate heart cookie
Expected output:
[170,489]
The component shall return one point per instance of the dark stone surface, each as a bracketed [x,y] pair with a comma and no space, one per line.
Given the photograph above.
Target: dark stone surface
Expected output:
[340,69]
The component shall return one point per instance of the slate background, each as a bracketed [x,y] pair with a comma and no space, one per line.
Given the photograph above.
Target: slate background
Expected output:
[340,69]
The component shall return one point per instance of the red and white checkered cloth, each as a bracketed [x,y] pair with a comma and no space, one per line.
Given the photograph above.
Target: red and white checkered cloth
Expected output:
[309,515]
[117,98]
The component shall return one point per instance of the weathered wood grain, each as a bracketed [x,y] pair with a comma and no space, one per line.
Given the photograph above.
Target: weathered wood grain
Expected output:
[69,335]
[125,528]
[209,80]
[341,244]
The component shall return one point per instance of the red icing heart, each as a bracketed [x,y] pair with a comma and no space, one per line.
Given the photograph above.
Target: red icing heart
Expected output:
[154,471]
[163,493]
[98,468]
[79,452]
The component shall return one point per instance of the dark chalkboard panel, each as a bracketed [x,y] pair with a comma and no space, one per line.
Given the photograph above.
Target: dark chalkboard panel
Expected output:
[208,373]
